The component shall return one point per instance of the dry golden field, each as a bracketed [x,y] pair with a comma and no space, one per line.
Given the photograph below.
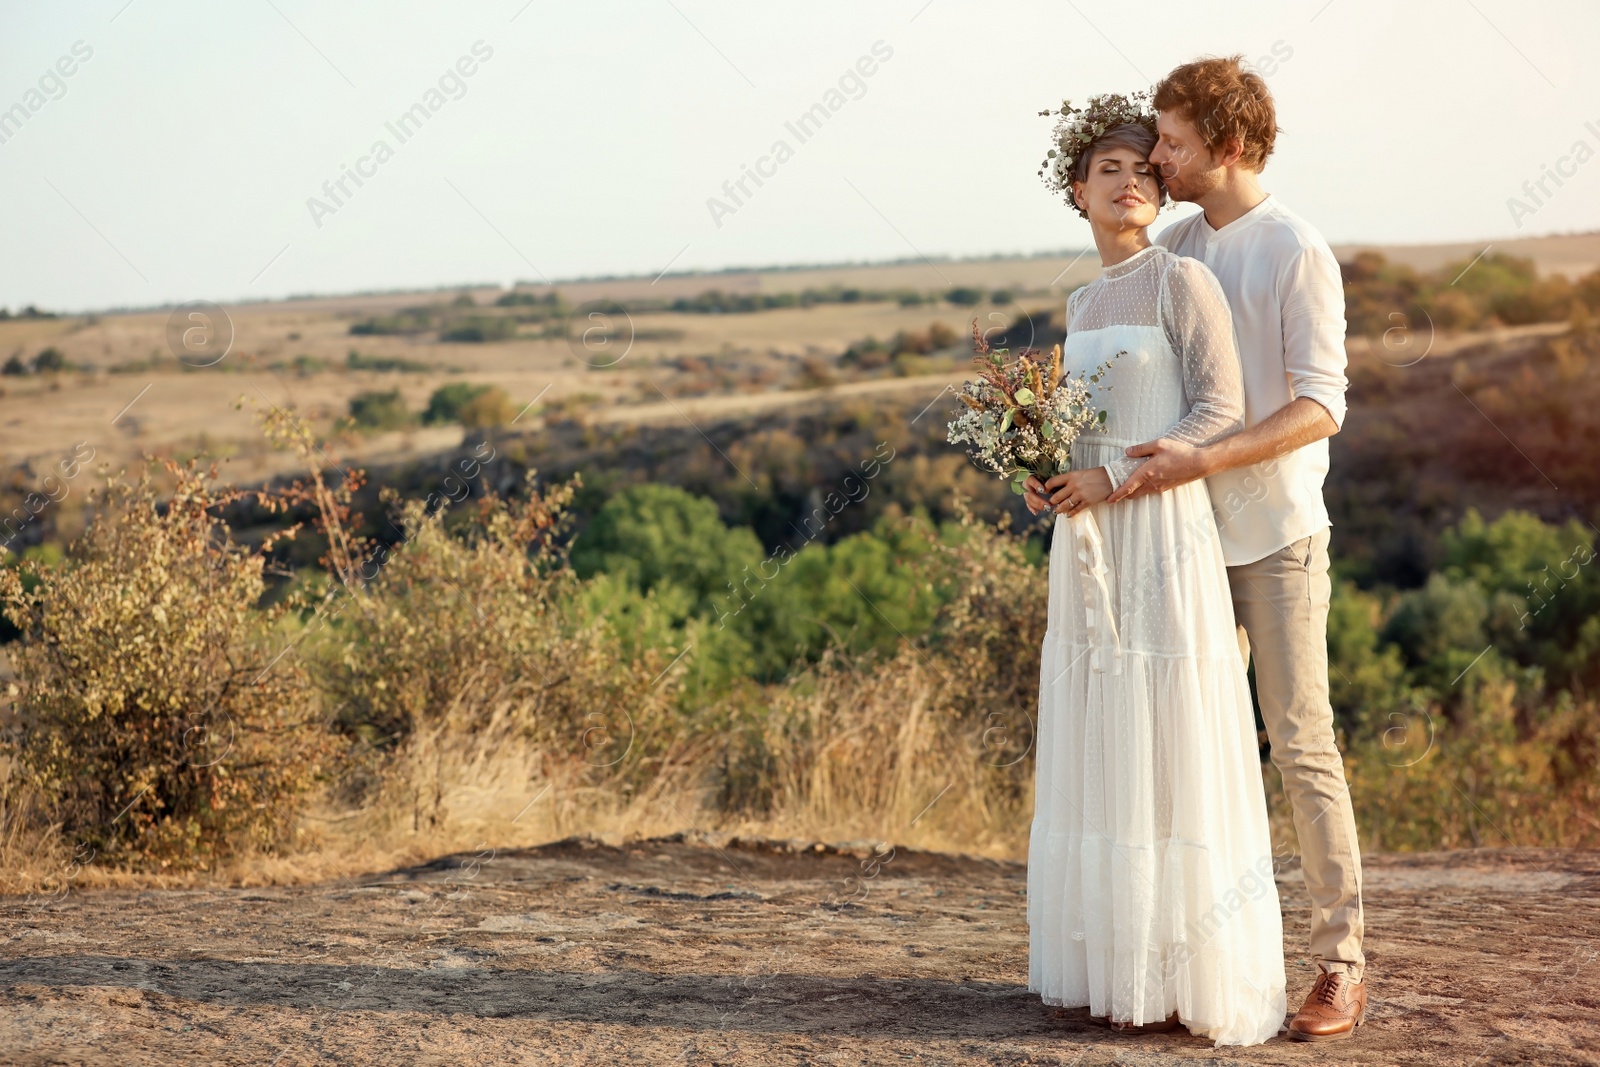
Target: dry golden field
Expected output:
[132,395]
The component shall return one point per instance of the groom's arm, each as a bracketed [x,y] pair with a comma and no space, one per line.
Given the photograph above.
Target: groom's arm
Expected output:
[1312,296]
[1172,463]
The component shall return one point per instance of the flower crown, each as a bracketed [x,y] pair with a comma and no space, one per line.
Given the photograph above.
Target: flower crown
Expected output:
[1078,128]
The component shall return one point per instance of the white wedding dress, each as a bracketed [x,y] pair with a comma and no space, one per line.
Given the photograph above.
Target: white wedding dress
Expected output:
[1150,887]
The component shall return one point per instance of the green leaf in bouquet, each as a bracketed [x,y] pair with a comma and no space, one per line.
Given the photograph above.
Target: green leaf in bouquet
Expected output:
[1025,396]
[1048,430]
[1101,418]
[1005,423]
[1018,488]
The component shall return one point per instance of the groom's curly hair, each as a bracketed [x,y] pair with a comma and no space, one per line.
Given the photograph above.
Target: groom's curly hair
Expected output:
[1223,99]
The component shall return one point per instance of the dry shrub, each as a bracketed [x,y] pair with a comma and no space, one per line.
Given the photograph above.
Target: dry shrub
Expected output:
[1485,779]
[474,632]
[491,407]
[151,721]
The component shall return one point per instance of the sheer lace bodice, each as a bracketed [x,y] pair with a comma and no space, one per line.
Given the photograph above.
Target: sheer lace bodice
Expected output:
[1155,300]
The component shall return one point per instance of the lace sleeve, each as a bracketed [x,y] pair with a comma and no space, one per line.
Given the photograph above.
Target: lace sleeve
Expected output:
[1072,307]
[1194,313]
[1200,327]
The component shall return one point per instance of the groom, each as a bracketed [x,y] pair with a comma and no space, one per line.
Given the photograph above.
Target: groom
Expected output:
[1217,126]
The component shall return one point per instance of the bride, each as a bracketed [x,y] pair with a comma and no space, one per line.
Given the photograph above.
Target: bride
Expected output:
[1150,891]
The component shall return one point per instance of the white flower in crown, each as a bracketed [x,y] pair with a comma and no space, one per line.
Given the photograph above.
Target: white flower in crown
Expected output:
[1077,128]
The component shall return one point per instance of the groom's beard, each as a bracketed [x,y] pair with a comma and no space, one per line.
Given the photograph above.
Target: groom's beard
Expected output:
[1191,186]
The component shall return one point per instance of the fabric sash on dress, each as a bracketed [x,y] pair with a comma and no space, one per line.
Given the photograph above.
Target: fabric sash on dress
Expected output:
[1095,583]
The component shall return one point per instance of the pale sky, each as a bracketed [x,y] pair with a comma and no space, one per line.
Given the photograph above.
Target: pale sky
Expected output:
[177,160]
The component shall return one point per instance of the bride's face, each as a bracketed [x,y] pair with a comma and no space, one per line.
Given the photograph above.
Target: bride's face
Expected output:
[1120,192]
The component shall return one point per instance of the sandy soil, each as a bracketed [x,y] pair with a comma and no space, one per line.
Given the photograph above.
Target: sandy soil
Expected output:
[702,950]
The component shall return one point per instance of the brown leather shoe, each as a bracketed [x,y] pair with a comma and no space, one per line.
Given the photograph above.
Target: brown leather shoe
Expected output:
[1332,1010]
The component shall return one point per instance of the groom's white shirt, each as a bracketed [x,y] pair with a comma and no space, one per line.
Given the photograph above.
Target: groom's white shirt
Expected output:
[1283,286]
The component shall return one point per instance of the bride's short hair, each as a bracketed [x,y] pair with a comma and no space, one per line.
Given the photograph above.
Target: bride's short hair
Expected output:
[1129,135]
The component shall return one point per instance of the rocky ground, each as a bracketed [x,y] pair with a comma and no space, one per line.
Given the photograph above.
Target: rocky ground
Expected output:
[697,950]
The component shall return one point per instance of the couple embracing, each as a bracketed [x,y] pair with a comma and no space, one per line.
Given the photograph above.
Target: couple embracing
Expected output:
[1193,541]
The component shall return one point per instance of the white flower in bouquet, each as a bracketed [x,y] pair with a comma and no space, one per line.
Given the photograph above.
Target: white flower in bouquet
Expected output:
[1019,416]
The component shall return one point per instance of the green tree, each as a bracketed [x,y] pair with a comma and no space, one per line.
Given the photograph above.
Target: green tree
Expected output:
[1543,585]
[1441,631]
[659,537]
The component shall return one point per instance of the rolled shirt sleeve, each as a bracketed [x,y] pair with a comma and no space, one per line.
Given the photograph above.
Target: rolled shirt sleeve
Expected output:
[1311,293]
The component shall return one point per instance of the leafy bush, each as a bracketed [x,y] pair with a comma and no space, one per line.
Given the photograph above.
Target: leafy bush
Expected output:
[151,707]
[523,298]
[301,366]
[406,321]
[478,406]
[446,402]
[29,312]
[1490,777]
[477,624]
[1380,296]
[717,302]
[356,361]
[1366,675]
[50,359]
[375,410]
[1455,737]
[490,408]
[872,353]
[480,329]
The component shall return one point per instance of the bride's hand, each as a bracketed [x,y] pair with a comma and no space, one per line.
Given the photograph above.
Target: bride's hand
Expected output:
[1033,493]
[1076,490]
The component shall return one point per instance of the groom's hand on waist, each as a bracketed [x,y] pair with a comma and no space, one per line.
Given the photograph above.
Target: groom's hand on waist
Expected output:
[1167,464]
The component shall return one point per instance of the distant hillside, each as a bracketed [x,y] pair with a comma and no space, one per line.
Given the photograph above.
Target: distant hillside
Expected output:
[1572,254]
[1569,254]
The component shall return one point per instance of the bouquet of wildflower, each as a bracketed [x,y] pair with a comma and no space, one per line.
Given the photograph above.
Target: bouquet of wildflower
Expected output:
[1020,415]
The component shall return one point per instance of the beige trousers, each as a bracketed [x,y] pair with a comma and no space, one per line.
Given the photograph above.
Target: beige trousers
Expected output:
[1281,606]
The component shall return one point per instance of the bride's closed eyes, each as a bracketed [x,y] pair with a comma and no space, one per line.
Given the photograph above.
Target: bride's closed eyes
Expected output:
[1112,166]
